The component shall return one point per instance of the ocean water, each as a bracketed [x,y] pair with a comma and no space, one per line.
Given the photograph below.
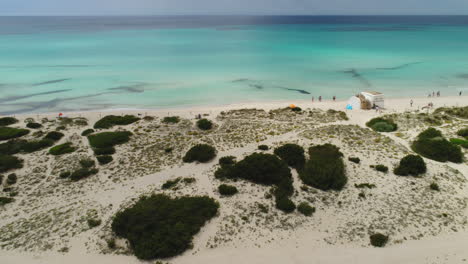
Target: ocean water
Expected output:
[52,64]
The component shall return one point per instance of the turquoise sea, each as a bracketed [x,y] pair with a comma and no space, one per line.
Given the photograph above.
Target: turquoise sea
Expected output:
[52,64]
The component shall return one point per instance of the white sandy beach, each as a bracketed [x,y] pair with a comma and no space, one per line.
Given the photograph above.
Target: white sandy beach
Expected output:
[401,206]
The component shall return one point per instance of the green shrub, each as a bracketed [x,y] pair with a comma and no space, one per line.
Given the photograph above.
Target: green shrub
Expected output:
[54,135]
[11,179]
[10,132]
[33,125]
[293,155]
[189,180]
[60,128]
[148,118]
[1,179]
[87,132]
[305,209]
[62,149]
[227,190]
[364,185]
[6,200]
[325,169]
[296,109]
[169,184]
[87,163]
[94,222]
[463,132]
[263,147]
[285,204]
[461,112]
[378,240]
[112,120]
[160,227]
[8,162]
[33,146]
[12,147]
[355,160]
[168,150]
[83,173]
[109,139]
[459,142]
[227,161]
[204,124]
[382,125]
[201,153]
[434,186]
[411,165]
[104,159]
[171,119]
[6,121]
[381,168]
[65,174]
[432,145]
[104,151]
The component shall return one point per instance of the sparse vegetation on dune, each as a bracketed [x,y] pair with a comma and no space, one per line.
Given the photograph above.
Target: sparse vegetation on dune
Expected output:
[6,121]
[62,149]
[432,145]
[382,125]
[8,162]
[171,119]
[107,140]
[112,120]
[7,133]
[54,135]
[204,124]
[200,153]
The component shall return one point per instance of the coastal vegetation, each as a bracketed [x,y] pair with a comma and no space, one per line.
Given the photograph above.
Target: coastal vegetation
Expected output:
[8,162]
[62,149]
[54,135]
[106,140]
[263,147]
[104,159]
[171,119]
[292,154]
[378,240]
[6,121]
[7,133]
[382,125]
[305,209]
[204,124]
[87,132]
[412,165]
[159,226]
[354,160]
[227,190]
[431,144]
[325,168]
[33,125]
[201,153]
[112,120]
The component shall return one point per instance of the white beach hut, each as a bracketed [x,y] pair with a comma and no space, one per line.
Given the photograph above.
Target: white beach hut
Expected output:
[375,98]
[353,103]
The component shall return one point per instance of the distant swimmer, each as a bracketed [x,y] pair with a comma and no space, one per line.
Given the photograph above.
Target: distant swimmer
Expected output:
[411,103]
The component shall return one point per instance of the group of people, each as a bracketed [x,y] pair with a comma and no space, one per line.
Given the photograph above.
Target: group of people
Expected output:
[320,98]
[434,94]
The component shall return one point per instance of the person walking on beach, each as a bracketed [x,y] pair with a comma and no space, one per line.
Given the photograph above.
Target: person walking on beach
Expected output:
[438,93]
[459,94]
[411,103]
[312,99]
[320,98]
[433,94]
[334,98]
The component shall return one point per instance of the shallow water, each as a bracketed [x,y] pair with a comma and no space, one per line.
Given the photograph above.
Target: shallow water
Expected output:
[84,63]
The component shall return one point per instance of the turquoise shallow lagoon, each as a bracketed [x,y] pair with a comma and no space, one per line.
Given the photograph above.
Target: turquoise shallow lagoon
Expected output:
[65,64]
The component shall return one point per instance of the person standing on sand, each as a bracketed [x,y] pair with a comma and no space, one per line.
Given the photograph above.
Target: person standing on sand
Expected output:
[411,103]
[433,94]
[320,98]
[459,94]
[438,93]
[334,98]
[312,99]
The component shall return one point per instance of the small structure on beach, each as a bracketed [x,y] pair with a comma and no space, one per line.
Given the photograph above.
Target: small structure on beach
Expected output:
[366,100]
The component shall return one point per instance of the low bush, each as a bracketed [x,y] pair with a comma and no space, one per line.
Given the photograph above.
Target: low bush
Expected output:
[87,163]
[434,186]
[364,185]
[65,174]
[6,121]
[83,173]
[227,161]
[8,162]
[411,165]
[171,119]
[168,150]
[325,168]
[158,226]
[87,132]
[355,160]
[381,168]
[378,240]
[11,179]
[432,145]
[204,124]
[104,159]
[461,112]
[104,151]
[108,139]
[463,132]
[6,200]
[10,132]
[54,135]
[94,222]
[296,109]
[33,125]
[169,184]
[16,146]
[263,147]
[293,154]
[459,142]
[62,149]
[305,209]
[382,125]
[12,147]
[227,190]
[200,153]
[112,120]
[285,204]
[148,118]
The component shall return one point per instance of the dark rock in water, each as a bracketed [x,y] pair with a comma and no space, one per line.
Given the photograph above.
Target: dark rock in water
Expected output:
[18,97]
[138,88]
[357,75]
[462,76]
[241,80]
[399,66]
[297,90]
[258,86]
[50,82]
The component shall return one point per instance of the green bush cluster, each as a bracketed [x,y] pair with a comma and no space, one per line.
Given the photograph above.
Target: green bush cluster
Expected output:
[158,226]
[296,109]
[292,154]
[263,147]
[82,173]
[8,162]
[94,222]
[108,139]
[7,133]
[112,120]
[264,169]
[65,174]
[381,168]
[104,159]
[382,125]
[227,161]
[6,200]
[325,168]
[12,179]
[54,135]
[463,132]
[6,121]
[378,240]
[305,209]
[104,151]
[200,153]
[411,165]
[204,124]
[355,160]
[169,184]
[432,145]
[87,163]
[459,142]
[87,132]
[33,125]
[227,190]
[62,149]
[461,112]
[434,186]
[171,119]
[16,146]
